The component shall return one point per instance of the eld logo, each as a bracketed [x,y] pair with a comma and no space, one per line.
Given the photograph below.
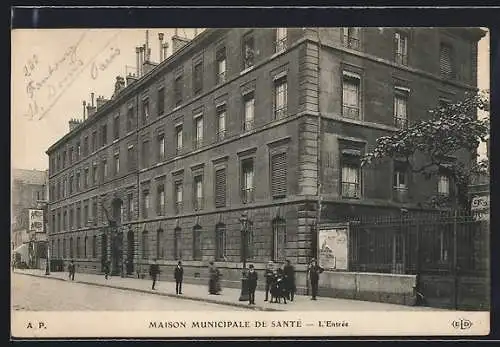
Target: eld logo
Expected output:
[462,324]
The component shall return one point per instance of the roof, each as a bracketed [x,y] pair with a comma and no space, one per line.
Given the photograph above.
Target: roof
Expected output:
[30,176]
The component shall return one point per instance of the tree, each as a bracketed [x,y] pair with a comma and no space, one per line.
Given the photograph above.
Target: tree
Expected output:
[427,146]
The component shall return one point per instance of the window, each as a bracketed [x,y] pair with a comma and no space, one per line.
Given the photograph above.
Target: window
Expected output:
[198,192]
[401,48]
[221,65]
[65,249]
[178,139]
[160,254]
[130,158]
[279,239]
[145,153]
[178,196]
[71,218]
[86,213]
[65,220]
[85,146]
[401,108]
[59,250]
[248,52]
[350,180]
[70,156]
[443,185]
[249,101]
[78,183]
[178,90]
[220,188]
[161,147]
[64,159]
[71,248]
[104,134]
[446,61]
[104,168]
[280,40]
[197,78]
[86,180]
[79,217]
[350,96]
[280,98]
[94,174]
[221,122]
[278,175]
[54,222]
[130,119]
[197,243]
[350,37]
[78,246]
[161,101]
[130,206]
[94,246]
[116,127]
[248,252]
[178,243]
[160,203]
[117,163]
[220,242]
[198,142]
[85,241]
[247,185]
[94,211]
[145,245]
[78,151]
[94,141]
[400,177]
[145,111]
[145,205]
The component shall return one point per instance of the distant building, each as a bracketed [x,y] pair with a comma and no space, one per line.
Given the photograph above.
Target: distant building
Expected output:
[266,122]
[29,197]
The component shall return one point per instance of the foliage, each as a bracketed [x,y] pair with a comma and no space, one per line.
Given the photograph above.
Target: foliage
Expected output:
[428,145]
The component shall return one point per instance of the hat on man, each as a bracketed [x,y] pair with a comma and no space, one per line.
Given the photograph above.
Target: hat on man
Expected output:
[250,266]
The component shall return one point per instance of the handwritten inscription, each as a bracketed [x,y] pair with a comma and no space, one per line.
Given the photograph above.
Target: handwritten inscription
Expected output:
[30,65]
[102,66]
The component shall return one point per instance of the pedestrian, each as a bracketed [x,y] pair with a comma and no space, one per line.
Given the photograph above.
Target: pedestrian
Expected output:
[179,275]
[269,275]
[314,271]
[252,284]
[154,271]
[71,270]
[212,278]
[106,269]
[289,272]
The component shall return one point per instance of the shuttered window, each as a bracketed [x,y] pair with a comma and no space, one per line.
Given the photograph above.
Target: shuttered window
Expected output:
[278,175]
[220,188]
[445,61]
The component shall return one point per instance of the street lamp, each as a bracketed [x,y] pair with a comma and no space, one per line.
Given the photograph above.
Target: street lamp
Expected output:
[244,273]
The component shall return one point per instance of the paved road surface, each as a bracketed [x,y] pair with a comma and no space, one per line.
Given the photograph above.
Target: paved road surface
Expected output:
[40,294]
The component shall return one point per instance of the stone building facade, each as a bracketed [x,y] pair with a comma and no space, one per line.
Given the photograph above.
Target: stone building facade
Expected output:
[267,123]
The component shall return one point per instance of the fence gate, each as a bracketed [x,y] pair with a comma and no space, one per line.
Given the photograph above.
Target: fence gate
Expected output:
[448,252]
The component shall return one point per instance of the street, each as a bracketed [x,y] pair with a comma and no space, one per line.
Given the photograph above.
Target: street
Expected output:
[39,294]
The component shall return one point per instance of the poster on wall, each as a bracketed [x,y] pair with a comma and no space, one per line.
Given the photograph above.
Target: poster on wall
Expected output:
[333,247]
[35,218]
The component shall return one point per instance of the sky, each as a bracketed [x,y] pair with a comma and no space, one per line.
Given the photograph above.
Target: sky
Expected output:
[54,70]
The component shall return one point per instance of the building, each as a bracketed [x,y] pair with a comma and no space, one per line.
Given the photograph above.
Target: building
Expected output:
[29,196]
[263,123]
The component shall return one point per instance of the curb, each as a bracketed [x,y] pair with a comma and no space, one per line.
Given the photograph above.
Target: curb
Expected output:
[192,298]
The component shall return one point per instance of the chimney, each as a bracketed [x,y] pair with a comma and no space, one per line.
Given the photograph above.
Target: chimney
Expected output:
[73,123]
[84,104]
[160,39]
[91,109]
[141,59]
[178,42]
[100,101]
[165,47]
[137,61]
[131,78]
[147,50]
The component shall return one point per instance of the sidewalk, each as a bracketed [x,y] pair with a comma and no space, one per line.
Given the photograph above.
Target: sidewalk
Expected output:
[229,296]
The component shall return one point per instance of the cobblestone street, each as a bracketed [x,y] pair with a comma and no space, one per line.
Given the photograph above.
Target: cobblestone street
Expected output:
[38,294]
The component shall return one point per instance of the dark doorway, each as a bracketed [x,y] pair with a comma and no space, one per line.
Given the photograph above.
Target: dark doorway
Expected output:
[104,249]
[116,210]
[117,252]
[130,252]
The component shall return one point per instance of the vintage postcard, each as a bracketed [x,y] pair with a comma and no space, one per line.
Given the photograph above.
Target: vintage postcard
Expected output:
[250,182]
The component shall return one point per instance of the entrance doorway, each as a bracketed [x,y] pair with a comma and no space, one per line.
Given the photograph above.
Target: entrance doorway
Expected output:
[130,252]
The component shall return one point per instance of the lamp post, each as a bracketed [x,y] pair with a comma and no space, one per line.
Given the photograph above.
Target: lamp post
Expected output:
[244,273]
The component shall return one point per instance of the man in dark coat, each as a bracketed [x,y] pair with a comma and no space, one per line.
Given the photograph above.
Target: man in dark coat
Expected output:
[107,268]
[212,281]
[154,271]
[252,284]
[314,271]
[71,270]
[289,272]
[179,275]
[269,275]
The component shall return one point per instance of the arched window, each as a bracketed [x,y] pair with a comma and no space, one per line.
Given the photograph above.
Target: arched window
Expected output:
[65,249]
[59,250]
[85,254]
[145,248]
[52,249]
[220,242]
[159,244]
[279,239]
[71,248]
[178,243]
[78,247]
[94,246]
[249,235]
[197,255]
